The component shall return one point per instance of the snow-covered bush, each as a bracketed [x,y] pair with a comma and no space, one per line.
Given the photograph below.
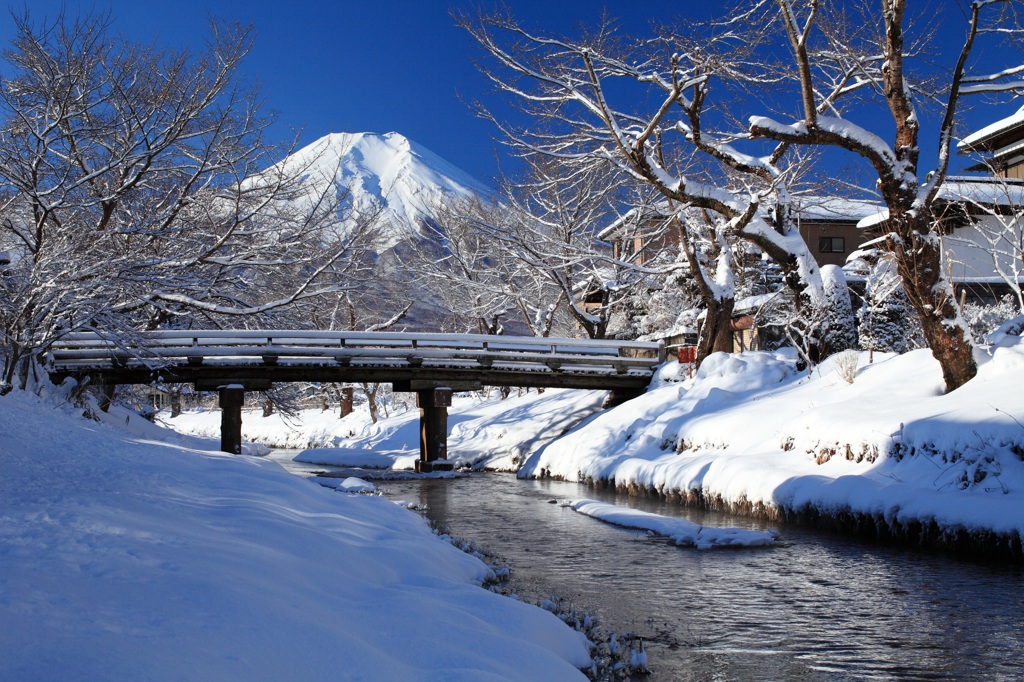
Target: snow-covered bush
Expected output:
[845,365]
[885,322]
[985,318]
[839,330]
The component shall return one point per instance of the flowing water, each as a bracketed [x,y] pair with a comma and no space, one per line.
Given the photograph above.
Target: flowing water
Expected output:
[817,606]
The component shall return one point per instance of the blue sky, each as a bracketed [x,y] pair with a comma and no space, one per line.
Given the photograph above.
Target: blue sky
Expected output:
[351,65]
[359,66]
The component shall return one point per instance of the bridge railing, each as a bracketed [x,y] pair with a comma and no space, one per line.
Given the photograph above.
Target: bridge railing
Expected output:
[84,350]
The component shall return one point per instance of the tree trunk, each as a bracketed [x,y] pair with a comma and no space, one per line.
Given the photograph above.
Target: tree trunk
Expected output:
[932,297]
[346,399]
[716,334]
[371,400]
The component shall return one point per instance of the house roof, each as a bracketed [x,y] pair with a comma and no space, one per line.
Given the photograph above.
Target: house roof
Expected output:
[995,136]
[633,215]
[838,209]
[809,207]
[983,191]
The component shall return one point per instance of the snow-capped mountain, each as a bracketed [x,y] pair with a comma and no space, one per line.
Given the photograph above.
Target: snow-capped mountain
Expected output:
[389,173]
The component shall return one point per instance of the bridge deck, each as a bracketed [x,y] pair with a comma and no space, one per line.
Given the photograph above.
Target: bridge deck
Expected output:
[259,357]
[234,361]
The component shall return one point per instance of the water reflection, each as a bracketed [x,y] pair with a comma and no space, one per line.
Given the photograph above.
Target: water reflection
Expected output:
[434,499]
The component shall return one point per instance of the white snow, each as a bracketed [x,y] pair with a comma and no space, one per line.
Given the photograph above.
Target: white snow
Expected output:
[353,484]
[680,531]
[752,430]
[125,558]
[483,433]
[130,552]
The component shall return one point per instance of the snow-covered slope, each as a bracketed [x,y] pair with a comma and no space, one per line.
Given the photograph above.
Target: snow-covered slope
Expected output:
[124,558]
[387,172]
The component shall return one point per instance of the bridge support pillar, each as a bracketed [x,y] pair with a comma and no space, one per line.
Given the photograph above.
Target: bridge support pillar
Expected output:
[433,404]
[621,395]
[232,397]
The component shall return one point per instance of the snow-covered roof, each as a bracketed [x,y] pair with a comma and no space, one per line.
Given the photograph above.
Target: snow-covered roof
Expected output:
[754,303]
[809,207]
[836,208]
[985,191]
[992,130]
[633,215]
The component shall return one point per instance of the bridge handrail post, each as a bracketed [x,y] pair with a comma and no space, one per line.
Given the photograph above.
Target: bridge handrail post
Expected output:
[662,352]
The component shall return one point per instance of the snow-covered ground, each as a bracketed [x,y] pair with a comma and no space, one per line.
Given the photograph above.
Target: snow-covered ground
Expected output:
[484,432]
[750,432]
[128,552]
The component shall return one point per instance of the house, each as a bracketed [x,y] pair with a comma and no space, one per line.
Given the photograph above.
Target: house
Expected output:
[1002,143]
[983,234]
[642,234]
[828,225]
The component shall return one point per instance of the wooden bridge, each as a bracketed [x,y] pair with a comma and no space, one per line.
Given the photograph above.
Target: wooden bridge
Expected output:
[430,365]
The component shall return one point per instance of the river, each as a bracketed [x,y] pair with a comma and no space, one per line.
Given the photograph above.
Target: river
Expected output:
[817,606]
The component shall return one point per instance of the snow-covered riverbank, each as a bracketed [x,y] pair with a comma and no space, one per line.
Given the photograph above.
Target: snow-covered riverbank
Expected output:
[887,455]
[124,557]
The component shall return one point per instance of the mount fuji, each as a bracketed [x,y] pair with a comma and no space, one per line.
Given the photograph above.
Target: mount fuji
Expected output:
[388,173]
[388,189]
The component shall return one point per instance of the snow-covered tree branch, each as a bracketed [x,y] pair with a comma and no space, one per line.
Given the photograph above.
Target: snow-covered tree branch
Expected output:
[910,192]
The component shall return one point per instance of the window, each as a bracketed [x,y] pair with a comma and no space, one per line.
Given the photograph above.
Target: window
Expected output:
[831,245]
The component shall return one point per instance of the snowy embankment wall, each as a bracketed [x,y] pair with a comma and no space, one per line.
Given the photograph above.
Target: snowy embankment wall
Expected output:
[132,553]
[888,454]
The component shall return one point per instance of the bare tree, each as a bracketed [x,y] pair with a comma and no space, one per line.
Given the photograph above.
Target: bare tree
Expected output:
[124,203]
[554,237]
[565,86]
[913,229]
[465,268]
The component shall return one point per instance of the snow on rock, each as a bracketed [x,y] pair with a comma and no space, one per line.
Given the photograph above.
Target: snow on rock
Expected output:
[680,531]
[125,558]
[354,484]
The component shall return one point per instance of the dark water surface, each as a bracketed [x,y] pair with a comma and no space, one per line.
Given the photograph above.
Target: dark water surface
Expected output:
[815,607]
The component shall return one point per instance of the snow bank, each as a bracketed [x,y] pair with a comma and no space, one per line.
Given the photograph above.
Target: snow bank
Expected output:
[680,531]
[752,433]
[483,433]
[125,558]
